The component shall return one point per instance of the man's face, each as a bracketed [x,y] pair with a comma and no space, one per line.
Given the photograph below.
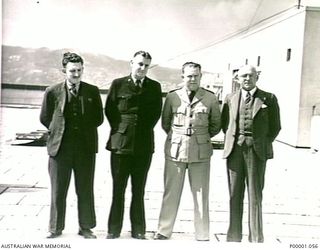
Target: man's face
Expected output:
[191,78]
[247,77]
[139,67]
[74,72]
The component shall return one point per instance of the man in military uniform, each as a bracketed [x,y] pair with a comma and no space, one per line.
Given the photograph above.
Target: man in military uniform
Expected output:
[133,108]
[190,117]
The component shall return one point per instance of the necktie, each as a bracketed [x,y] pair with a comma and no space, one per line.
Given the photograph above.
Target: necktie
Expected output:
[73,90]
[138,85]
[248,97]
[191,95]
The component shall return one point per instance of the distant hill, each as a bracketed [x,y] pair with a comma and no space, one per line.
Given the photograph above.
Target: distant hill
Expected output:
[42,66]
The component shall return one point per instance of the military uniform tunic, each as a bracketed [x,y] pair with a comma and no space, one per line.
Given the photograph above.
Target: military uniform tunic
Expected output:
[189,126]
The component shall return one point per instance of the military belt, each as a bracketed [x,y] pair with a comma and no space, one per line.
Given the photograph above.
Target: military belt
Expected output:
[190,131]
[129,118]
[245,133]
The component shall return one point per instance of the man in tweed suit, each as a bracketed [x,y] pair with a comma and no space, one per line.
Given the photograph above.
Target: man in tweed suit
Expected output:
[72,111]
[251,121]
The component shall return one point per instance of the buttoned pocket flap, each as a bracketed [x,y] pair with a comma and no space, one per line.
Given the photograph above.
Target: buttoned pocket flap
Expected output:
[122,128]
[205,148]
[201,139]
[176,139]
[175,146]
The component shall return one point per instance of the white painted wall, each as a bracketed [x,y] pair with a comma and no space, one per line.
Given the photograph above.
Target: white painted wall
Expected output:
[310,87]
[296,83]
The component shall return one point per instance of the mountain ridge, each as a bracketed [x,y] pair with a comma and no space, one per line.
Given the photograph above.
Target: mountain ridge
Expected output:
[42,66]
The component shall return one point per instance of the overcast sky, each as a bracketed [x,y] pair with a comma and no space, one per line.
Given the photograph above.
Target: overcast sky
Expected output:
[118,28]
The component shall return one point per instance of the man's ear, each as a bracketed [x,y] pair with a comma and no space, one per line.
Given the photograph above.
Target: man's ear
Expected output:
[63,70]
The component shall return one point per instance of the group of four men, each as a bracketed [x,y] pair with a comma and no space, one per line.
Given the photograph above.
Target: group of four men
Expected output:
[72,111]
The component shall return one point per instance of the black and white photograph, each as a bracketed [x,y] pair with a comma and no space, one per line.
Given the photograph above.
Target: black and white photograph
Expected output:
[191,124]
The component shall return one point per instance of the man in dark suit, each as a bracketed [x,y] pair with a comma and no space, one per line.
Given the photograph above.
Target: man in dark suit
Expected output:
[133,108]
[251,122]
[72,111]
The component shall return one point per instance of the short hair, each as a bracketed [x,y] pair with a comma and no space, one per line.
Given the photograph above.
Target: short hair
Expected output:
[192,65]
[144,54]
[71,57]
[245,67]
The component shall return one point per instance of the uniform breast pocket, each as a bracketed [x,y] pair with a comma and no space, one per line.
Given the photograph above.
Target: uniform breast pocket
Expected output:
[123,102]
[201,116]
[179,119]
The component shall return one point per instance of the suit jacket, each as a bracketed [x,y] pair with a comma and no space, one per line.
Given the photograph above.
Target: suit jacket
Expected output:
[132,115]
[52,115]
[201,117]
[266,122]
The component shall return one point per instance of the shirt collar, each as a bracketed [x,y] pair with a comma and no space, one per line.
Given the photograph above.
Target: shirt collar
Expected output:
[69,85]
[189,91]
[141,80]
[252,91]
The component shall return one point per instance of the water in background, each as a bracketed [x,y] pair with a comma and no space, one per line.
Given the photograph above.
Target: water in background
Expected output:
[25,96]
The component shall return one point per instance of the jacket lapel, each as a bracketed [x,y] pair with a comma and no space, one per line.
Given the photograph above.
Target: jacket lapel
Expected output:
[130,82]
[62,97]
[235,99]
[258,101]
[182,93]
[198,96]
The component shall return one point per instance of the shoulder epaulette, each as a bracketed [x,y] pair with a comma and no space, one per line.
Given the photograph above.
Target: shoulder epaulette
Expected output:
[208,90]
[175,90]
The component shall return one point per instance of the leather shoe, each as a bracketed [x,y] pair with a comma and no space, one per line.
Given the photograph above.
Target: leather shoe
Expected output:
[87,234]
[53,235]
[160,237]
[139,236]
[112,236]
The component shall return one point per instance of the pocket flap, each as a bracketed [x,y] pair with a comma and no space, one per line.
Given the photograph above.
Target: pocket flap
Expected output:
[122,128]
[201,139]
[176,139]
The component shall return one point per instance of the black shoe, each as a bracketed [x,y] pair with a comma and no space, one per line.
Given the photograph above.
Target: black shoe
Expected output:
[87,234]
[160,237]
[112,236]
[139,236]
[53,235]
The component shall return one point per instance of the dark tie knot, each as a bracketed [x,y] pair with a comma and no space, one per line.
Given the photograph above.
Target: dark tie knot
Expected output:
[138,85]
[248,97]
[191,95]
[73,89]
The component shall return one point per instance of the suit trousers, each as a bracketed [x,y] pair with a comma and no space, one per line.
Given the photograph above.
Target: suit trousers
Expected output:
[245,167]
[137,167]
[174,175]
[72,157]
